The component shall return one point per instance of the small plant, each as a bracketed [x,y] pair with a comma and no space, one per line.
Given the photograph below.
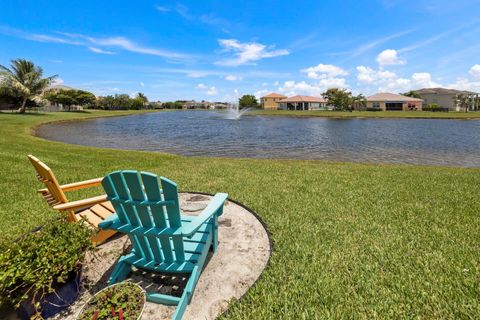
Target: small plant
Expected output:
[39,262]
[118,302]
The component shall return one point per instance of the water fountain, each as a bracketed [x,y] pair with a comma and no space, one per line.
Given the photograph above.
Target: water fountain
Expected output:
[234,112]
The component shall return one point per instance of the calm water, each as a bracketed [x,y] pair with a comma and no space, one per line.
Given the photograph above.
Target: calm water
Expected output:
[205,133]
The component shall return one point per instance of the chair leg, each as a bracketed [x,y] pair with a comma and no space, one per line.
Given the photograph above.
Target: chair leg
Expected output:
[187,294]
[120,272]
[215,234]
[182,305]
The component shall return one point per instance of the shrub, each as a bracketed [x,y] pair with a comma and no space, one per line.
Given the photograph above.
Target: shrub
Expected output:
[39,261]
[434,107]
[374,109]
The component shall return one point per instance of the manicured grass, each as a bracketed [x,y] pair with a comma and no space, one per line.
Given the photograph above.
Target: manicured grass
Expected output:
[352,241]
[370,114]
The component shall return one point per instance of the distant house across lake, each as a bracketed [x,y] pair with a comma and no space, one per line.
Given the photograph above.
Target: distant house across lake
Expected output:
[443,97]
[393,102]
[302,103]
[270,100]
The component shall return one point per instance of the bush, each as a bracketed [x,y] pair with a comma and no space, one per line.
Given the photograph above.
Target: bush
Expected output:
[39,261]
[374,109]
[434,108]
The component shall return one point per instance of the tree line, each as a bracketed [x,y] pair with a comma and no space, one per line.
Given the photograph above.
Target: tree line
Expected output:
[23,85]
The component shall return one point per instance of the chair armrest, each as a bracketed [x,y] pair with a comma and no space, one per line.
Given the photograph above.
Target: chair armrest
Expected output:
[108,222]
[213,207]
[79,204]
[77,185]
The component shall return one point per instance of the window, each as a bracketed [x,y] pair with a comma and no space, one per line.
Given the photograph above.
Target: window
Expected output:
[376,105]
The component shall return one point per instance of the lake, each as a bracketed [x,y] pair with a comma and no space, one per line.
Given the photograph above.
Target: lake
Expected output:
[211,134]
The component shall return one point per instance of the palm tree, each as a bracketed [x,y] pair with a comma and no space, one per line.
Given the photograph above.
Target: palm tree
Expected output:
[143,98]
[24,80]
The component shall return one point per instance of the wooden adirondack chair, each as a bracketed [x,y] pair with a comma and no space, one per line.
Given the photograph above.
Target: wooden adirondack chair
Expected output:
[163,239]
[93,210]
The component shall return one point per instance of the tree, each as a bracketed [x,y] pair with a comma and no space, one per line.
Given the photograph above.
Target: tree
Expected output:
[24,80]
[412,94]
[85,98]
[137,103]
[248,101]
[464,101]
[122,101]
[68,98]
[106,103]
[359,101]
[340,99]
[142,97]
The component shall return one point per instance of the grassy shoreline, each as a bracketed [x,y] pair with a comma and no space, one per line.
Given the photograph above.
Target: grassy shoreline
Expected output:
[370,114]
[351,240]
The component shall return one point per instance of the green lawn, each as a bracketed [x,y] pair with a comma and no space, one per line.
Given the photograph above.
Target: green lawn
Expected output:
[370,114]
[352,241]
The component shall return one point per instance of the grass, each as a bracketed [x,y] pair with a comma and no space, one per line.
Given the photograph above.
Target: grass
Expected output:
[352,241]
[370,114]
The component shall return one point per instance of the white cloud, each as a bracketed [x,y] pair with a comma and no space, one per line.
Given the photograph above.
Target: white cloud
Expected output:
[261,93]
[323,71]
[276,83]
[161,8]
[383,80]
[201,86]
[368,75]
[292,87]
[93,43]
[264,84]
[57,81]
[142,84]
[127,44]
[424,80]
[232,77]
[232,97]
[210,91]
[389,57]
[465,84]
[100,51]
[246,53]
[475,71]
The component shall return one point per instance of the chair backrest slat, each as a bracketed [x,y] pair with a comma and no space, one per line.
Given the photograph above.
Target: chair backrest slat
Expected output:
[120,191]
[170,193]
[130,192]
[46,176]
[150,181]
[137,193]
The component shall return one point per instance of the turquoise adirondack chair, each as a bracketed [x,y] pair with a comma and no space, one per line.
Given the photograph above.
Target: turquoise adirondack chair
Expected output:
[163,239]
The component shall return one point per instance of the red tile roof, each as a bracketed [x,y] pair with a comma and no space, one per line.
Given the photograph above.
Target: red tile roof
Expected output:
[274,95]
[304,99]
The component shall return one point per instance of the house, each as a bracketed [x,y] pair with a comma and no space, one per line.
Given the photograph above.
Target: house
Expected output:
[445,98]
[393,102]
[270,100]
[302,103]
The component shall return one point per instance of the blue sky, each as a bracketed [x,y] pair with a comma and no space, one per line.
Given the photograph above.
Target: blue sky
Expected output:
[218,50]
